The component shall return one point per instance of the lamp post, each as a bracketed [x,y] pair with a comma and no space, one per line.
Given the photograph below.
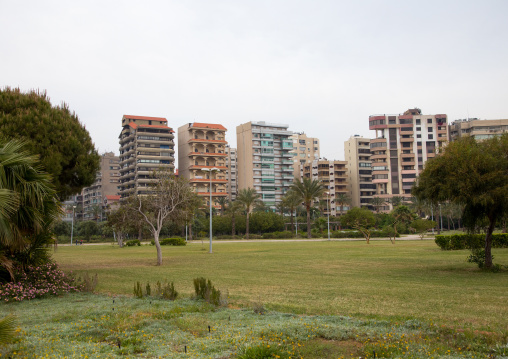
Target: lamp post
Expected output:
[72,222]
[210,170]
[296,218]
[441,219]
[328,210]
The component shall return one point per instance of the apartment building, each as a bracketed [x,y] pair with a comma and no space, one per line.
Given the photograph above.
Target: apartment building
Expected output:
[305,149]
[232,173]
[360,186]
[478,129]
[146,145]
[333,175]
[94,198]
[402,145]
[202,147]
[265,161]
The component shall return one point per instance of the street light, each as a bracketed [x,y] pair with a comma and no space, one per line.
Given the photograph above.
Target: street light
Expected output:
[328,210]
[72,222]
[441,219]
[211,170]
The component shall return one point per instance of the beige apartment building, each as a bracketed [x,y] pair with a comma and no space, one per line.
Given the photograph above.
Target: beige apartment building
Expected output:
[478,129]
[305,149]
[146,145]
[333,175]
[202,147]
[95,197]
[360,186]
[402,145]
[265,161]
[232,173]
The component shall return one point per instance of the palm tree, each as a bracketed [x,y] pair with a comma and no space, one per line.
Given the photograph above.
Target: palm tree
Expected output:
[248,197]
[7,329]
[26,217]
[233,208]
[292,200]
[309,191]
[396,201]
[377,202]
[222,201]
[342,199]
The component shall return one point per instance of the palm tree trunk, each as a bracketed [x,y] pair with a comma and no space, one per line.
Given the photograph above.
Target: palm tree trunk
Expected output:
[308,222]
[247,226]
[233,225]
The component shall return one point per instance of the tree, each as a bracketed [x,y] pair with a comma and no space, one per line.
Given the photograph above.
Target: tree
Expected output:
[402,215]
[28,208]
[473,174]
[360,219]
[169,199]
[291,201]
[248,197]
[54,133]
[421,226]
[233,209]
[342,200]
[396,201]
[377,202]
[7,329]
[222,202]
[309,191]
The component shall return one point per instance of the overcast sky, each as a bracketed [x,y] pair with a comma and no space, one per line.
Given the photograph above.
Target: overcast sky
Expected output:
[322,67]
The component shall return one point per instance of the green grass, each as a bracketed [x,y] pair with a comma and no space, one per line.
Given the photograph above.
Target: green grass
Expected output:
[408,280]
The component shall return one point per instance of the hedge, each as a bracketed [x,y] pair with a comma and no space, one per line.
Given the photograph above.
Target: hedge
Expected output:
[174,241]
[465,241]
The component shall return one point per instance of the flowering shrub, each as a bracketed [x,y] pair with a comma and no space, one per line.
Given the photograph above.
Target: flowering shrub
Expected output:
[38,281]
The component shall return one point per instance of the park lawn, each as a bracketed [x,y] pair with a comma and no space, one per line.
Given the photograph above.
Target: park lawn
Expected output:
[408,280]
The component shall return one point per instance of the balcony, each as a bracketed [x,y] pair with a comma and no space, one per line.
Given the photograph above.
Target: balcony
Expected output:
[208,154]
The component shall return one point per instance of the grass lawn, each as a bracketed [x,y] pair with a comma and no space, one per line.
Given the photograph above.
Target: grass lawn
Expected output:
[408,280]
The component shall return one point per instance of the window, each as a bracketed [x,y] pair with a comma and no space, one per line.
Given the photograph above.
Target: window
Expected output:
[418,129]
[419,136]
[302,142]
[429,129]
[417,121]
[431,137]
[429,120]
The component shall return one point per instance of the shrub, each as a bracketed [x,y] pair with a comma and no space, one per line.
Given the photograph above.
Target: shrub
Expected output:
[133,242]
[205,290]
[278,235]
[88,283]
[166,290]
[465,241]
[175,241]
[38,281]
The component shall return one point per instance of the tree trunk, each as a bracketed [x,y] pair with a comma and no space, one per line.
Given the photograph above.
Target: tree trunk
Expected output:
[190,231]
[488,241]
[233,226]
[140,233]
[292,223]
[247,226]
[158,246]
[308,222]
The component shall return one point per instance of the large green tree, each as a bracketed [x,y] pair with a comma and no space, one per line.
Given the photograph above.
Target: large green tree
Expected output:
[291,201]
[55,134]
[309,191]
[28,208]
[360,219]
[473,174]
[249,198]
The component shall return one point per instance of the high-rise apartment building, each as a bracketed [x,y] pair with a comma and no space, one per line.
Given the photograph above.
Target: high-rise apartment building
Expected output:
[478,129]
[106,184]
[360,186]
[146,145]
[202,147]
[333,176]
[402,145]
[265,162]
[305,149]
[232,173]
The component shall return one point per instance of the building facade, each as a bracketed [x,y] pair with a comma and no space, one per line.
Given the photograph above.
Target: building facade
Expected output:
[360,186]
[202,147]
[305,149]
[146,145]
[333,176]
[265,161]
[402,145]
[232,173]
[478,129]
[106,184]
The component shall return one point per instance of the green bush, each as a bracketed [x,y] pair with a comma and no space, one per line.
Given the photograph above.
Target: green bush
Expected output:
[174,241]
[465,241]
[205,290]
[133,242]
[278,235]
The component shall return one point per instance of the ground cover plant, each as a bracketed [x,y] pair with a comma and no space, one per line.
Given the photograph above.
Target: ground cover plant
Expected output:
[100,326]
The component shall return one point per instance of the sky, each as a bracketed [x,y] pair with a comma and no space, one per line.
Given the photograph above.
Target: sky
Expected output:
[321,67]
